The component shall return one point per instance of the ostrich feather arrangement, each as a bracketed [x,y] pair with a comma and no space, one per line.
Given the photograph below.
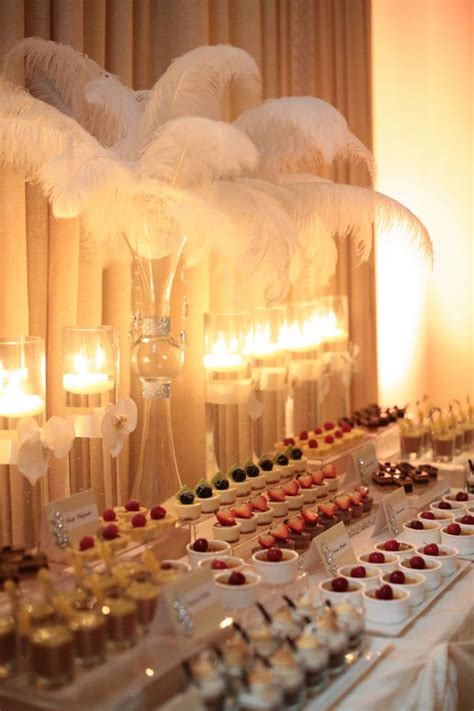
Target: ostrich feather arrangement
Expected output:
[153,165]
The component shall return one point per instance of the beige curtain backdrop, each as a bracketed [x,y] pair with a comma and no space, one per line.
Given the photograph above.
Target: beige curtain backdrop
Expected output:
[48,280]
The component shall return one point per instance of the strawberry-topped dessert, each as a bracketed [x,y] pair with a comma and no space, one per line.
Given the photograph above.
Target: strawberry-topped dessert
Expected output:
[245,516]
[367,500]
[261,509]
[226,528]
[294,497]
[278,502]
[297,533]
[322,487]
[312,525]
[344,510]
[331,477]
[129,509]
[356,503]
[327,514]
[308,489]
[281,535]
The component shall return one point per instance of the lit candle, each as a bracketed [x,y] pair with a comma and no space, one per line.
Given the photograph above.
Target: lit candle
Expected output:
[331,331]
[14,401]
[259,343]
[223,357]
[302,337]
[86,381]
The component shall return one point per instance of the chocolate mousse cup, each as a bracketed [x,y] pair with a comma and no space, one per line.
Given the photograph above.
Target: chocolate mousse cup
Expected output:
[90,638]
[8,648]
[121,615]
[443,448]
[344,515]
[301,540]
[51,656]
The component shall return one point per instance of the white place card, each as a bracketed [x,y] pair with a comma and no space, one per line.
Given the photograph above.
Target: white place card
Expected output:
[364,463]
[335,548]
[66,521]
[190,606]
[393,511]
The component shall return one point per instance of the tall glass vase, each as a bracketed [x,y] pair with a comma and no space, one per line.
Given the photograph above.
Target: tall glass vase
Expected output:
[157,358]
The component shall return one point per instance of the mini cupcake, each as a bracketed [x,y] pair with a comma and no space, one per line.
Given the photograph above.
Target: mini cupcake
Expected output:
[238,477]
[284,443]
[207,496]
[272,472]
[108,516]
[255,475]
[186,505]
[226,490]
[129,509]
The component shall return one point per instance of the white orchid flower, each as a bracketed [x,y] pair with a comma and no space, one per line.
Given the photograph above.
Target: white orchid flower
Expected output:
[117,423]
[37,446]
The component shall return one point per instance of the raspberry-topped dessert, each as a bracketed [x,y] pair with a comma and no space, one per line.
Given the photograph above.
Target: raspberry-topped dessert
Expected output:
[414,583]
[113,537]
[430,569]
[367,574]
[108,516]
[334,588]
[237,589]
[401,548]
[202,548]
[86,548]
[129,509]
[140,528]
[387,604]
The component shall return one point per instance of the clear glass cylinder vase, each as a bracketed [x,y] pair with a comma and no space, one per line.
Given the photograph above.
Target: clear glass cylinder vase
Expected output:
[22,395]
[157,357]
[228,389]
[90,382]
[335,339]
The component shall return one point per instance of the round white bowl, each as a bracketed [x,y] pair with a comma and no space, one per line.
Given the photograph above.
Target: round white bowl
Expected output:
[440,516]
[371,580]
[247,525]
[178,565]
[452,497]
[232,561]
[448,560]
[216,548]
[189,512]
[210,505]
[406,551]
[238,597]
[431,573]
[415,585]
[470,509]
[295,502]
[467,526]
[353,594]
[230,534]
[387,612]
[280,508]
[455,506]
[391,561]
[279,573]
[463,543]
[430,533]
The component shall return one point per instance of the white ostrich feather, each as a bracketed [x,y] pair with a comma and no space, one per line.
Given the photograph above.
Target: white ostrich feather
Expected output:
[347,210]
[299,134]
[57,74]
[193,150]
[194,84]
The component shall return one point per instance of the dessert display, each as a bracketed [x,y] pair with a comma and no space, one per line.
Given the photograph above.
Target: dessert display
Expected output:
[142,528]
[374,416]
[276,566]
[320,442]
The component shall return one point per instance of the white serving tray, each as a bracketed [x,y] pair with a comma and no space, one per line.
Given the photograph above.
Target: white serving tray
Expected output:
[373,651]
[415,612]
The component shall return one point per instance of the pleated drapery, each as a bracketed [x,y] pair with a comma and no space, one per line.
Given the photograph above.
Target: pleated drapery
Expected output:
[50,279]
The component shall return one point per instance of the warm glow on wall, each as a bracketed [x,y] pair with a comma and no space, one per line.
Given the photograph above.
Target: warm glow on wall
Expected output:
[422,88]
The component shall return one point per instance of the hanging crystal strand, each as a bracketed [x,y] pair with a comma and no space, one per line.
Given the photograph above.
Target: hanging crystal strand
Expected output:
[183,336]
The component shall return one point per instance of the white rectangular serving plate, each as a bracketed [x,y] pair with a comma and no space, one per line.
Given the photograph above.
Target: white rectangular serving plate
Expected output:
[373,652]
[415,612]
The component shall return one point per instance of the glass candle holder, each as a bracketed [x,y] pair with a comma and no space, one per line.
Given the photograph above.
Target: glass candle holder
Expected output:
[302,340]
[228,389]
[443,445]
[90,380]
[22,394]
[335,340]
[412,439]
[264,347]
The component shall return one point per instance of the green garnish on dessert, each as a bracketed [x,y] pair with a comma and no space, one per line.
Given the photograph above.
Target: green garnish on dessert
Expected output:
[185,495]
[220,481]
[204,489]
